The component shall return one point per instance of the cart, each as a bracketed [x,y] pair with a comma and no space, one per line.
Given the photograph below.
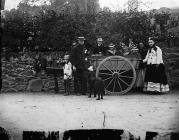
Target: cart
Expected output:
[117,72]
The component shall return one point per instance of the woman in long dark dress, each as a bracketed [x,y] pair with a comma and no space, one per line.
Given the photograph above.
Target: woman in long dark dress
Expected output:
[141,69]
[155,76]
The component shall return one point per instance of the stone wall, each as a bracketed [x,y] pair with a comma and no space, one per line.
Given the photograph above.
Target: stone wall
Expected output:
[18,76]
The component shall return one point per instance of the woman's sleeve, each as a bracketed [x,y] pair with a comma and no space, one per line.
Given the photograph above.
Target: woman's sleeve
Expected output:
[146,57]
[159,56]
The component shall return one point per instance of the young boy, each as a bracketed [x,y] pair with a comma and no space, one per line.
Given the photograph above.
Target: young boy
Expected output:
[67,70]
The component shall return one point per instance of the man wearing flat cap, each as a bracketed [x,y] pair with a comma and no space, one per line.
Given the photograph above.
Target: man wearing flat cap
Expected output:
[99,48]
[112,50]
[78,59]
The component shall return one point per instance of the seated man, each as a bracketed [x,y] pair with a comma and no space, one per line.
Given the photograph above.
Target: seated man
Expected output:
[112,50]
[99,48]
[132,47]
[125,49]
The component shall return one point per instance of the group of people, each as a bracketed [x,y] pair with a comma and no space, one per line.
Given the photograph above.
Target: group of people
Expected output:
[76,63]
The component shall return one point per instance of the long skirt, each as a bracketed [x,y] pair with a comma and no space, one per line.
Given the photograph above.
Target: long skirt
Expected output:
[155,79]
[140,78]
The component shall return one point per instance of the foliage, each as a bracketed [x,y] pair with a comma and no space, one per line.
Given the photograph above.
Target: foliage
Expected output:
[55,26]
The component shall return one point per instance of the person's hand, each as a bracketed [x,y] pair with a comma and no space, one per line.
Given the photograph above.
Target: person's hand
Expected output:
[74,68]
[90,68]
[58,61]
[85,51]
[34,72]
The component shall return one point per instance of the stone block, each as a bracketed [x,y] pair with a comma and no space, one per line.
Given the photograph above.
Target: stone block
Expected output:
[35,85]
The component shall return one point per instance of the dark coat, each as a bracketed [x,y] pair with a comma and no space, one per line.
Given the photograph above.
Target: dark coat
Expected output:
[43,63]
[143,52]
[78,55]
[37,65]
[97,49]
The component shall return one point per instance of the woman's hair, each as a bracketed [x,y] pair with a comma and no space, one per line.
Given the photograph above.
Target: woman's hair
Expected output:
[153,39]
[154,45]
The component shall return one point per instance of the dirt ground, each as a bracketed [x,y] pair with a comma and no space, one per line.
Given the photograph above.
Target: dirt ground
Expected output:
[134,112]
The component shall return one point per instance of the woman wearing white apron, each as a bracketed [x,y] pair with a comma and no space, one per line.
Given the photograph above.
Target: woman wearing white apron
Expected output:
[155,76]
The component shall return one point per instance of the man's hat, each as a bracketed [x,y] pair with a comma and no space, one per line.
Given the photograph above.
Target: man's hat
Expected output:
[66,57]
[73,43]
[81,38]
[99,39]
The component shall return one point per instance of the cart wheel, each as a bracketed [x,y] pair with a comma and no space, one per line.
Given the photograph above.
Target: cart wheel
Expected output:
[118,74]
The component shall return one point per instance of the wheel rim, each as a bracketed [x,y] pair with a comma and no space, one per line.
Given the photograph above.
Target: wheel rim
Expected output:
[118,74]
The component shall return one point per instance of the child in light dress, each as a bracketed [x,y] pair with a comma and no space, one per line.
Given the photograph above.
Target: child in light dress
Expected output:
[67,70]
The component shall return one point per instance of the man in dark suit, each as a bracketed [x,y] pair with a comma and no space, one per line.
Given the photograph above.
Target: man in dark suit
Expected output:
[99,48]
[78,59]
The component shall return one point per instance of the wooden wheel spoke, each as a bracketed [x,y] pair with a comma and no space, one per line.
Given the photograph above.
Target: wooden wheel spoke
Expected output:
[114,84]
[107,78]
[123,81]
[105,73]
[107,68]
[117,65]
[110,82]
[123,72]
[126,76]
[121,67]
[111,64]
[119,84]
